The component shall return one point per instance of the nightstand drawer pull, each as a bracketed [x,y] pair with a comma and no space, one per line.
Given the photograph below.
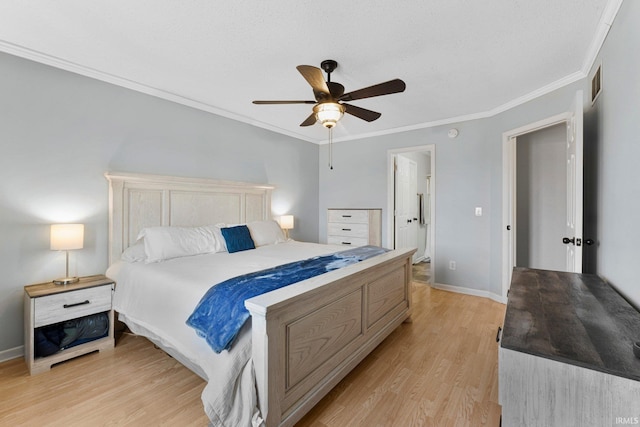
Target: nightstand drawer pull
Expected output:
[76,304]
[346,229]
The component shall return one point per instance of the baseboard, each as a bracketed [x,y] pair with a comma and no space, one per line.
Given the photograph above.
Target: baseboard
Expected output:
[469,291]
[12,353]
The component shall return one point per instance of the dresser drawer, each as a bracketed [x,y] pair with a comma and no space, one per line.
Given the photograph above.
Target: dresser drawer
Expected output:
[349,215]
[348,241]
[348,230]
[63,306]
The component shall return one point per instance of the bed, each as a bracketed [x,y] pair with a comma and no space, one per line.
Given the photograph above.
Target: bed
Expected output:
[301,339]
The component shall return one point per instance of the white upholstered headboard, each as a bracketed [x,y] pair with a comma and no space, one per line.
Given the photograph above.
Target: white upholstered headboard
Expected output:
[139,200]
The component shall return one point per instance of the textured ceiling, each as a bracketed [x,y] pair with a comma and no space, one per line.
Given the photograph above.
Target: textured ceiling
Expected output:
[459,58]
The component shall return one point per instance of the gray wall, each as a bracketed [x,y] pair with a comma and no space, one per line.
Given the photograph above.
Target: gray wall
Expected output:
[59,133]
[541,198]
[614,146]
[468,174]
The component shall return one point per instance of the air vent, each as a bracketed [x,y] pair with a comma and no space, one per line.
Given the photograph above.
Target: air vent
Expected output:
[596,84]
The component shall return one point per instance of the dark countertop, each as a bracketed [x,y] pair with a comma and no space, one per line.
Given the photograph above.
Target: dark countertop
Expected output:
[572,318]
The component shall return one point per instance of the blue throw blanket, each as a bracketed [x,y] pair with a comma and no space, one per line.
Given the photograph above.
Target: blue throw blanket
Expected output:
[221,312]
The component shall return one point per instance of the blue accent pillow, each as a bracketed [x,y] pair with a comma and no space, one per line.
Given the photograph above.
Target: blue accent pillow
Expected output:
[237,238]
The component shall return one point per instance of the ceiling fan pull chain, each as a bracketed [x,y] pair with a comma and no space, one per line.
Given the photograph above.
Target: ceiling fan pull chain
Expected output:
[331,148]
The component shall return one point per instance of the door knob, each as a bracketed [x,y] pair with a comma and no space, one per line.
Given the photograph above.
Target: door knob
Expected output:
[567,240]
[589,242]
[408,221]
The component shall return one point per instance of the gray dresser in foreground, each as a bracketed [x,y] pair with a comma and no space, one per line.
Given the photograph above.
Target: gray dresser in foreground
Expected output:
[566,353]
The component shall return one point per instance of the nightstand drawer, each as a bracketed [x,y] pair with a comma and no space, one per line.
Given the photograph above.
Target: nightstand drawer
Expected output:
[70,305]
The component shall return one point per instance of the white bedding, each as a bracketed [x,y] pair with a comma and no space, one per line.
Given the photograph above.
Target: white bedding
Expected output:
[156,299]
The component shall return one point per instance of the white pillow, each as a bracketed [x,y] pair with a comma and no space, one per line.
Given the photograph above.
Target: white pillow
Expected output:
[161,243]
[221,245]
[134,253]
[266,233]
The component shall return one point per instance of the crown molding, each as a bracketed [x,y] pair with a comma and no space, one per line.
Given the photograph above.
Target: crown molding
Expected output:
[606,20]
[136,86]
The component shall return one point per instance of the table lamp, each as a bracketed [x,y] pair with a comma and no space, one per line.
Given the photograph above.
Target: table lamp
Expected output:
[286,223]
[66,237]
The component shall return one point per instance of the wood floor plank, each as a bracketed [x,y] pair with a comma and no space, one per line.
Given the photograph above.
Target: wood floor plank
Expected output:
[134,384]
[439,370]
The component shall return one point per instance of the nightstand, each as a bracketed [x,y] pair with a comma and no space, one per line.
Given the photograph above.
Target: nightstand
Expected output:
[47,304]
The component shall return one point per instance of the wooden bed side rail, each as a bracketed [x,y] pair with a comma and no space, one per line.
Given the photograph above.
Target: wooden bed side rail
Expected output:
[308,336]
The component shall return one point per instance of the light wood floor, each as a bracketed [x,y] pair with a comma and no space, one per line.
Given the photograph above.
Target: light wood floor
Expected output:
[422,272]
[440,370]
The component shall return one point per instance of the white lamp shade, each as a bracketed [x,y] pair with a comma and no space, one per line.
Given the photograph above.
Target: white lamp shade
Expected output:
[65,237]
[328,113]
[286,222]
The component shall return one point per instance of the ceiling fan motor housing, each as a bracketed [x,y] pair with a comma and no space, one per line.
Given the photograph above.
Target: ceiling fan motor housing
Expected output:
[328,65]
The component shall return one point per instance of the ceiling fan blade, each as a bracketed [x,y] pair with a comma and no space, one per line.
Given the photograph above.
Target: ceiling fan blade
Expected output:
[314,77]
[361,113]
[310,120]
[283,102]
[386,88]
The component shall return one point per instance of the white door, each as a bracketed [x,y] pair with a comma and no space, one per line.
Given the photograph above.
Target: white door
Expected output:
[406,203]
[573,236]
[401,202]
[412,232]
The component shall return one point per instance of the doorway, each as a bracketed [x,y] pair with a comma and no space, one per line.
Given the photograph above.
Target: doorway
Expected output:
[566,130]
[411,202]
[541,195]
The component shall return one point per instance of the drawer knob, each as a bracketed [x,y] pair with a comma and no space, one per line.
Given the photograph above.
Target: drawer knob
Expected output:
[76,304]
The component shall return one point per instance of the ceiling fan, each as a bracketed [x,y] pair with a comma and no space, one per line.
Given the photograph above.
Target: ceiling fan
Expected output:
[329,104]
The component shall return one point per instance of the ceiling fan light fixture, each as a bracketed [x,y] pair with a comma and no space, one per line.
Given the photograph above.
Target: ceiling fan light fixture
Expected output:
[328,113]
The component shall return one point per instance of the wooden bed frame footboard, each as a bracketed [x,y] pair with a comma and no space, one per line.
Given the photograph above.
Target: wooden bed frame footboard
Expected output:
[308,336]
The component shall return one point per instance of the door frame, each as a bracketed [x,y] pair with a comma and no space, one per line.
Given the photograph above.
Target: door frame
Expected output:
[509,141]
[431,148]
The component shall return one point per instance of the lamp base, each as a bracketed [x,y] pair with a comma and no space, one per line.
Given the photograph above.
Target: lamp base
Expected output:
[66,280]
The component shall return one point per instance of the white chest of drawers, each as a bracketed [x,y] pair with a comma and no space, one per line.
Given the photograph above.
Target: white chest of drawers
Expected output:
[354,227]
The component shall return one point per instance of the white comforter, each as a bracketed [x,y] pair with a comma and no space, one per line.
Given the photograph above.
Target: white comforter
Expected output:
[156,299]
